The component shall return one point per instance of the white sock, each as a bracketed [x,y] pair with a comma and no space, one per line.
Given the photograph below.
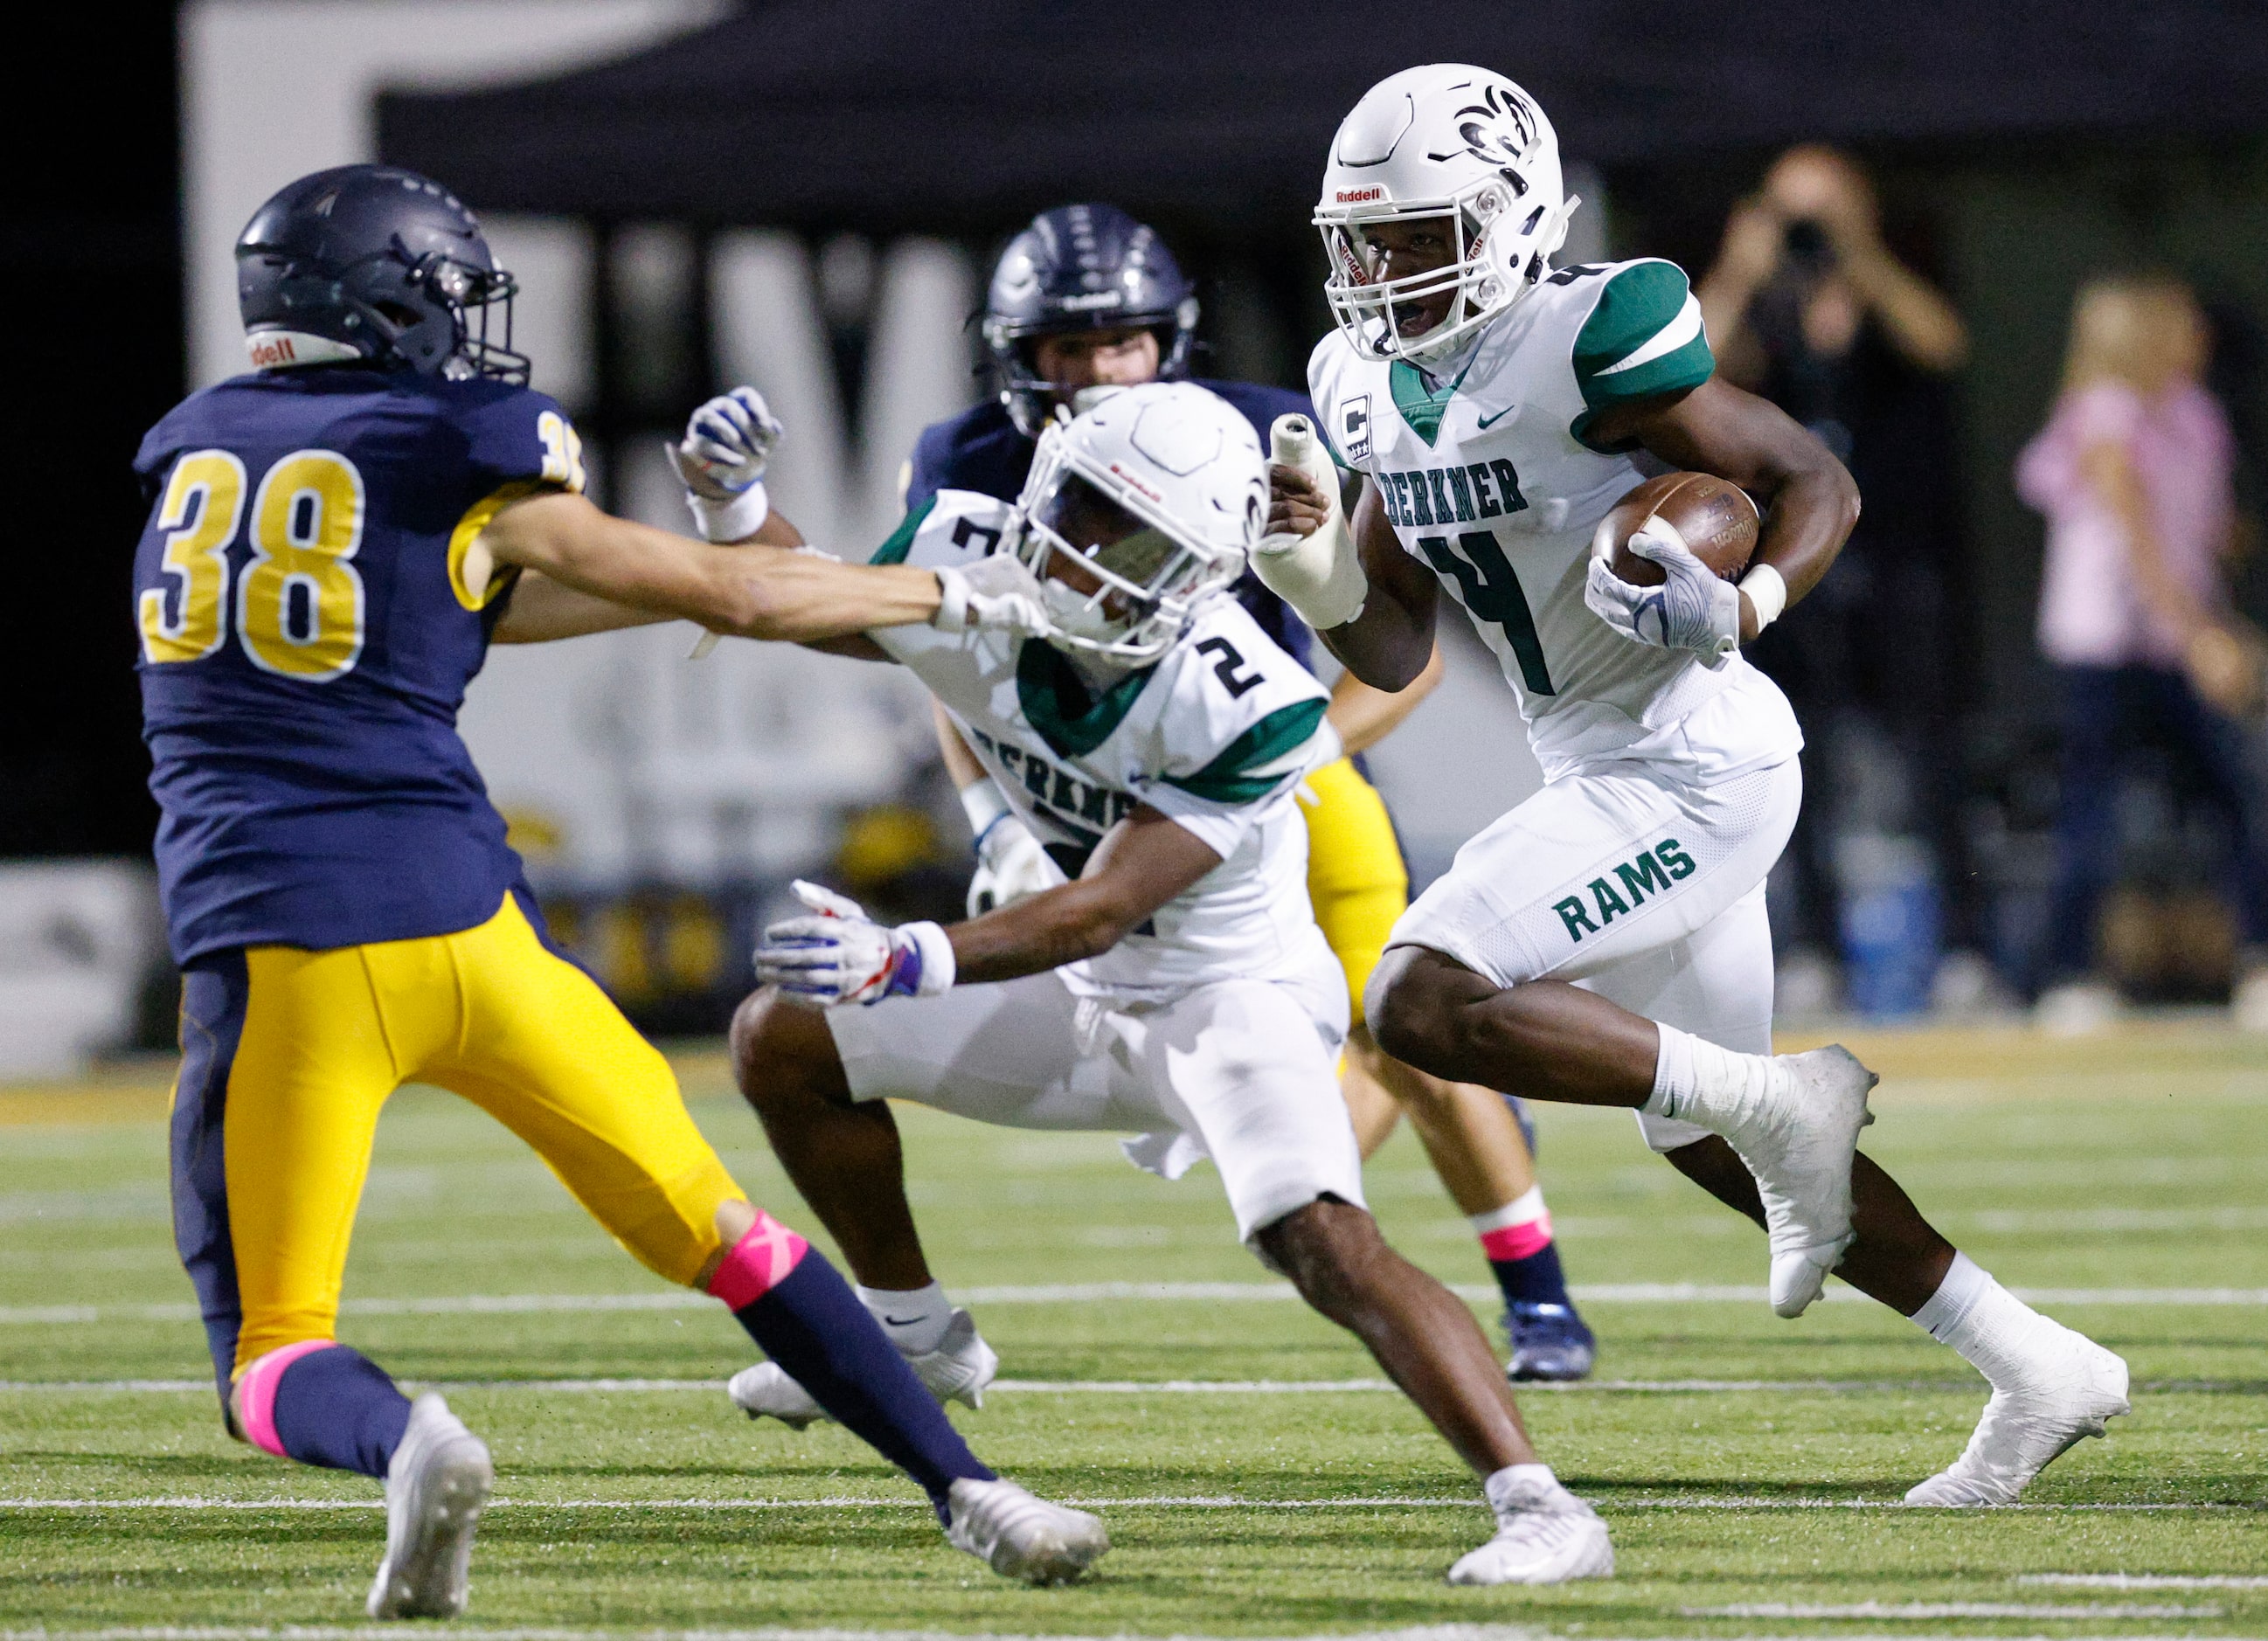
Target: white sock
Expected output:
[1995,1332]
[1699,1081]
[916,1319]
[1518,1487]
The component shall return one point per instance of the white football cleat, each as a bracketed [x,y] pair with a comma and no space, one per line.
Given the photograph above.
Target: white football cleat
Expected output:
[957,1370]
[2025,1429]
[1799,1146]
[435,1486]
[1544,1534]
[1020,1536]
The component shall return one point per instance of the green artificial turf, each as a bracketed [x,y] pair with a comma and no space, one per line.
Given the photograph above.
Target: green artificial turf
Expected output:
[2136,1164]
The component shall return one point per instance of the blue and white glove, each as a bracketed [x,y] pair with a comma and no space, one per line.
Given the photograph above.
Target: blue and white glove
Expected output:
[1694,608]
[728,444]
[842,955]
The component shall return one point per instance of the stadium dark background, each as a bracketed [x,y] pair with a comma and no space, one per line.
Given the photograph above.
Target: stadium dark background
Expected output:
[90,283]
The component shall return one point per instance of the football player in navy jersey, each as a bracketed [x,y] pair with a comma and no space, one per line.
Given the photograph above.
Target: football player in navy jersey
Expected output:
[336,538]
[1087,298]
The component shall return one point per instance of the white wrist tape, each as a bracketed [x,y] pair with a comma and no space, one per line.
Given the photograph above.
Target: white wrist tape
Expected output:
[1318,575]
[936,963]
[1767,591]
[733,520]
[983,802]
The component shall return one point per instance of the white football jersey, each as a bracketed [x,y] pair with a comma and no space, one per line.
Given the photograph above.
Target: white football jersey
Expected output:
[1215,735]
[1486,476]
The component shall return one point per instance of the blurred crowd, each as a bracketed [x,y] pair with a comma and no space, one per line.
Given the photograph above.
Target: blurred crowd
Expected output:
[1881,905]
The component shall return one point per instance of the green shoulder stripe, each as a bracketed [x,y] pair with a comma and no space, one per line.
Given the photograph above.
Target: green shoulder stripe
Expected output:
[1226,780]
[1644,338]
[894,551]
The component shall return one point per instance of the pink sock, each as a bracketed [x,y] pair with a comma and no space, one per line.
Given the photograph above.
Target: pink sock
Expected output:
[256,1392]
[1519,1229]
[757,1263]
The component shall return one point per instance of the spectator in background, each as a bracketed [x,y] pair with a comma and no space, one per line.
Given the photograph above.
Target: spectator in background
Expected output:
[1807,306]
[2133,473]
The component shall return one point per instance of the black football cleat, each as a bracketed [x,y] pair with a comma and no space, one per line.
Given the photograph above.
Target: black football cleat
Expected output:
[1549,1342]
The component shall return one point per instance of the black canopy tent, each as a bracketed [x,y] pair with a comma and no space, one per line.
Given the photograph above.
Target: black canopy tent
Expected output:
[890,115]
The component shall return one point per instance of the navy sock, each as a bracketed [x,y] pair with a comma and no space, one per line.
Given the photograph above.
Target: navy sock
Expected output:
[814,1327]
[1536,1280]
[339,1410]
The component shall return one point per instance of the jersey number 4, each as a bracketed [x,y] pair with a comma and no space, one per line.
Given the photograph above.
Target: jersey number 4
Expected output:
[1492,592]
[299,602]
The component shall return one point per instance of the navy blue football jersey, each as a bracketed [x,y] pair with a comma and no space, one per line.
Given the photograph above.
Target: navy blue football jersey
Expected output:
[307,636]
[981,449]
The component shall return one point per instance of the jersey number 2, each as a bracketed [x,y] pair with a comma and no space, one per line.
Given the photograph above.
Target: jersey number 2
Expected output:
[300,606]
[1492,592]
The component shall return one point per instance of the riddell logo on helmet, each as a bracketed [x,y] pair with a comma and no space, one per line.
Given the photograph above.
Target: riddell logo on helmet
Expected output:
[1135,483]
[269,351]
[1358,196]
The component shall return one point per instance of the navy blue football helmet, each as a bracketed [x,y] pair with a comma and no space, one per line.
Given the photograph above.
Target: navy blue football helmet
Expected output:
[377,263]
[1081,268]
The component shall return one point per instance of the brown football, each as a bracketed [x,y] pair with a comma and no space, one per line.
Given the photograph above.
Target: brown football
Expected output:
[1714,515]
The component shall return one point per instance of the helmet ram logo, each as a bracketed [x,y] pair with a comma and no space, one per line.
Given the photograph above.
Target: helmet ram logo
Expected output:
[1500,130]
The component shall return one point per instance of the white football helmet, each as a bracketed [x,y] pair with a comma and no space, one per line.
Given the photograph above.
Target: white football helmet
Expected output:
[1446,141]
[1156,493]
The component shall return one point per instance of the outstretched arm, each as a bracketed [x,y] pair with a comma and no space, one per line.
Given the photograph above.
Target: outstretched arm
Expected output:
[753,592]
[1144,861]
[542,609]
[1810,501]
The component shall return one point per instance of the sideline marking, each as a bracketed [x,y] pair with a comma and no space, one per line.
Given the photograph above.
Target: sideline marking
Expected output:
[1086,1292]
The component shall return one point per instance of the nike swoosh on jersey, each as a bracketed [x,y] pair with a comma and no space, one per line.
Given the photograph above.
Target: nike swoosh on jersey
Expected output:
[902,1322]
[1487,421]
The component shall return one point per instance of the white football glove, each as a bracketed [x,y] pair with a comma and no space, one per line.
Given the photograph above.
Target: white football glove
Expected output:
[1011,866]
[1319,574]
[728,444]
[997,593]
[1694,608]
[842,955]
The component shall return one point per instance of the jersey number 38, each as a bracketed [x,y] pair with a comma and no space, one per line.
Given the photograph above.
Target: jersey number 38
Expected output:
[299,602]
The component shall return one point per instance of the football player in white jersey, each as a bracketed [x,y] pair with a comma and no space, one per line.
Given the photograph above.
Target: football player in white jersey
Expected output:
[1176,987]
[1606,942]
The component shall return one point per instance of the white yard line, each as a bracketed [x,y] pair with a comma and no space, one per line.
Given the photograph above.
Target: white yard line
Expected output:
[460,1632]
[2148,1580]
[1194,1501]
[1944,1609]
[1090,1293]
[1133,1387]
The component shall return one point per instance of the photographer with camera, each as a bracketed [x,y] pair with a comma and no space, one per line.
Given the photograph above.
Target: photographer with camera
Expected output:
[1809,308]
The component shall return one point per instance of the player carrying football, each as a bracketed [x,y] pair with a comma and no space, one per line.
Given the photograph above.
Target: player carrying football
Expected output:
[1605,943]
[1087,300]
[1174,985]
[336,538]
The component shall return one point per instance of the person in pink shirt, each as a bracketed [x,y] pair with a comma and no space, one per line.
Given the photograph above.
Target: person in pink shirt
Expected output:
[2133,474]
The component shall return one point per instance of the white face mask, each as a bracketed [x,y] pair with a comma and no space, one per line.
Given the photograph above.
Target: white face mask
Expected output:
[1079,614]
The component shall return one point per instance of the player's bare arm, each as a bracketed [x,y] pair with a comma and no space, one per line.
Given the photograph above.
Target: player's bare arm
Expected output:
[1144,861]
[751,592]
[542,609]
[1389,644]
[1809,498]
[1364,714]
